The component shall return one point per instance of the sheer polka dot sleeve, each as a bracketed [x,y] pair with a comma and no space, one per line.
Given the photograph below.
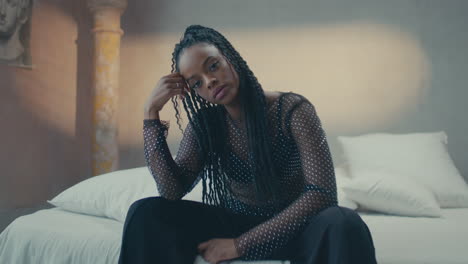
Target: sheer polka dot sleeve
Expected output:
[174,177]
[318,192]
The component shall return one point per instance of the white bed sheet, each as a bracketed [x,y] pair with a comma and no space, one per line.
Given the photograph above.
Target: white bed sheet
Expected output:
[53,236]
[57,236]
[417,240]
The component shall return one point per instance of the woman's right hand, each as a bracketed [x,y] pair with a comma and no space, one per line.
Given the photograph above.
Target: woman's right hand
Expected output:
[167,87]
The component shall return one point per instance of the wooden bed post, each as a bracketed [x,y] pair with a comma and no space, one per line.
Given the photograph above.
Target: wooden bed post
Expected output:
[107,35]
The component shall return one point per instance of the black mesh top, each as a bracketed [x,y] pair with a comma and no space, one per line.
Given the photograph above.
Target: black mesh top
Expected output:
[300,152]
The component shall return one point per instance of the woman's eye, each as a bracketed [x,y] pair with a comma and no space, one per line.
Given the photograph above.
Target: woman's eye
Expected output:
[196,85]
[214,66]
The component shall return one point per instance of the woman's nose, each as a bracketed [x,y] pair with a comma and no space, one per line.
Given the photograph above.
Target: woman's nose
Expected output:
[212,82]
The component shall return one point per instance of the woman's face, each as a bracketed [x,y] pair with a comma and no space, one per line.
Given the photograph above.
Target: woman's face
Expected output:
[209,74]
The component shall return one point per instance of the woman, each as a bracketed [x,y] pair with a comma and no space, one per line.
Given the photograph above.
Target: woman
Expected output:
[269,189]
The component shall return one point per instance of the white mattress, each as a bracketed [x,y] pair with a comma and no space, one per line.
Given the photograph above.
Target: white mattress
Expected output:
[56,236]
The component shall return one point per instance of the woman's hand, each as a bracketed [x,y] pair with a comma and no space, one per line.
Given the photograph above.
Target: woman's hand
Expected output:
[167,87]
[218,249]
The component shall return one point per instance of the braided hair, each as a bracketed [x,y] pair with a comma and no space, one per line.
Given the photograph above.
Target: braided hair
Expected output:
[209,123]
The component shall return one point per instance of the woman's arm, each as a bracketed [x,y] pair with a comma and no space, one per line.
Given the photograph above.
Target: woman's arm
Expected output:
[174,178]
[319,188]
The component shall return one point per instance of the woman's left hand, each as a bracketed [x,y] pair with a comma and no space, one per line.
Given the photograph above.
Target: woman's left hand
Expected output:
[218,249]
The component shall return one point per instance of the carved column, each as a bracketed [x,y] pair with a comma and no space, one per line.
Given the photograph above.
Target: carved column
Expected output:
[107,35]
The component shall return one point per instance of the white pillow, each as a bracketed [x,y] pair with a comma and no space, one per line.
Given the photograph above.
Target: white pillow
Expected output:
[108,195]
[390,193]
[111,194]
[341,180]
[423,157]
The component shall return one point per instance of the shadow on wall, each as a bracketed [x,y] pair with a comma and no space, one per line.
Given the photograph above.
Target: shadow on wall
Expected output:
[45,139]
[36,158]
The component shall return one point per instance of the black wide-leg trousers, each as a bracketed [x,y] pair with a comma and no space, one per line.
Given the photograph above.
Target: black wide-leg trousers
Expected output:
[158,230]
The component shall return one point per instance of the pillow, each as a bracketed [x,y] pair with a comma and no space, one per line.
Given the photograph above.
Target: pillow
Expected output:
[111,194]
[108,195]
[390,193]
[341,180]
[423,157]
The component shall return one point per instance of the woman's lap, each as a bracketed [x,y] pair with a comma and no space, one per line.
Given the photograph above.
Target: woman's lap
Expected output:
[195,222]
[184,214]
[170,230]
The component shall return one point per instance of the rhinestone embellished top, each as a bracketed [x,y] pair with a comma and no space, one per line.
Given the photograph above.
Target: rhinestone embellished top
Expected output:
[301,156]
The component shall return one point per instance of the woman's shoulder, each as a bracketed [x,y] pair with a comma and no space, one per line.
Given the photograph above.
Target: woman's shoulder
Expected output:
[291,100]
[286,99]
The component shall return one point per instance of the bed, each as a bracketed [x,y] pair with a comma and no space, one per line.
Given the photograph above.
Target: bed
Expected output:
[405,188]
[58,236]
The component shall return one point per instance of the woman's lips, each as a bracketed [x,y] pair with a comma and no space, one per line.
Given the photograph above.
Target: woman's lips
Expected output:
[220,92]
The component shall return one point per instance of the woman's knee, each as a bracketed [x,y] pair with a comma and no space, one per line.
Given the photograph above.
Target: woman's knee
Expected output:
[144,206]
[155,200]
[344,220]
[145,216]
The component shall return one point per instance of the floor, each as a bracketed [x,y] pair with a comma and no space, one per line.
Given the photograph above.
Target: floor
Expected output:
[7,216]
